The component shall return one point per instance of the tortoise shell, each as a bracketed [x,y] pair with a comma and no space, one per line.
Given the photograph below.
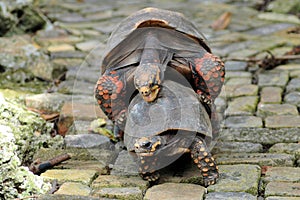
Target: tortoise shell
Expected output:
[120,45]
[177,108]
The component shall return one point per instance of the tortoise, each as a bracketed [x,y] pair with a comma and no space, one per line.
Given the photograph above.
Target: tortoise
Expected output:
[139,54]
[159,133]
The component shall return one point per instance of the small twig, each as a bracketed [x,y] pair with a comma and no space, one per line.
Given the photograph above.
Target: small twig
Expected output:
[38,167]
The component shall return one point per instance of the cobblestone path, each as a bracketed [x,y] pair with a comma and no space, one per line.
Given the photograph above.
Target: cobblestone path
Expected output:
[258,150]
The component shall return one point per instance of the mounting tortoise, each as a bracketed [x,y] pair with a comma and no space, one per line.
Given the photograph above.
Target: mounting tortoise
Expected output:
[141,51]
[159,133]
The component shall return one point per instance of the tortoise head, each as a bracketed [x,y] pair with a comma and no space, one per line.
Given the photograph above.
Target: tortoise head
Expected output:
[147,80]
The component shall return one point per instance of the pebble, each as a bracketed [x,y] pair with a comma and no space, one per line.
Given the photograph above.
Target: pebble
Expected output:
[243,121]
[271,95]
[264,110]
[282,121]
[175,191]
[290,148]
[87,141]
[285,174]
[262,159]
[60,47]
[274,78]
[235,66]
[72,188]
[237,147]
[230,196]
[260,135]
[276,188]
[293,85]
[293,98]
[70,175]
[242,106]
[125,165]
[237,178]
[128,193]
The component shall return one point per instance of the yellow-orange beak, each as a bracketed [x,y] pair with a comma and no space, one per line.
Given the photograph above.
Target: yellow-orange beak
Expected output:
[148,94]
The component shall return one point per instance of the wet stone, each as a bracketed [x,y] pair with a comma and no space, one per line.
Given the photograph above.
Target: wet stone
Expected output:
[262,159]
[125,193]
[229,196]
[71,188]
[293,98]
[235,66]
[282,121]
[87,141]
[237,147]
[261,135]
[271,95]
[175,191]
[237,178]
[243,121]
[264,110]
[289,174]
[282,6]
[109,181]
[242,106]
[232,91]
[275,78]
[282,189]
[125,165]
[294,85]
[290,148]
[70,175]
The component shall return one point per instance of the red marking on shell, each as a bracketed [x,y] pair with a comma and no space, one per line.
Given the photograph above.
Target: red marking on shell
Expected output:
[99,102]
[108,110]
[100,87]
[105,96]
[216,89]
[105,105]
[215,75]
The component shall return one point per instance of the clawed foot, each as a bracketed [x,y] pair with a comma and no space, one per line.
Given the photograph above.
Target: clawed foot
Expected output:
[151,177]
[211,178]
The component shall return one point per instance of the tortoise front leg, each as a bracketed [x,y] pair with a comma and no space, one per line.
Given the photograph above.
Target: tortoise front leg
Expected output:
[109,92]
[204,161]
[146,168]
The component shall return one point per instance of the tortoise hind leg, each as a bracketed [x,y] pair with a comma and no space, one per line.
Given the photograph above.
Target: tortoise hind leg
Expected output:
[204,161]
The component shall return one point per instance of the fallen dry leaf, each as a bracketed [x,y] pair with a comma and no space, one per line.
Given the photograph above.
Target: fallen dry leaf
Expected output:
[222,22]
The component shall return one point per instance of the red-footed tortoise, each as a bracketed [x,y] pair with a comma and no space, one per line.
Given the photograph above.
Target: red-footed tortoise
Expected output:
[160,132]
[139,54]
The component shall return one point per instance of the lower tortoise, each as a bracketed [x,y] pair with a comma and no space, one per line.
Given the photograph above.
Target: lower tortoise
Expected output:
[159,133]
